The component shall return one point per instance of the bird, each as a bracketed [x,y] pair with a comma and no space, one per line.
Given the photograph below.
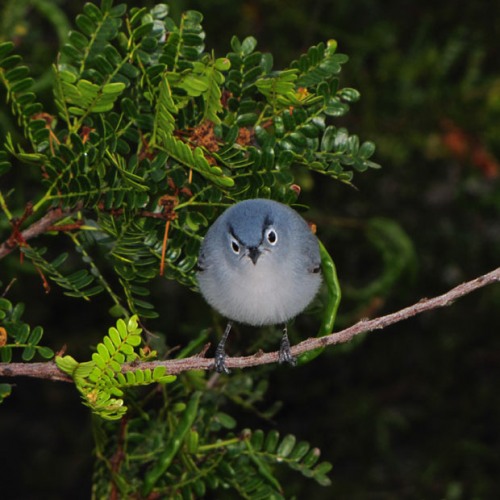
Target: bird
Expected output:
[259,264]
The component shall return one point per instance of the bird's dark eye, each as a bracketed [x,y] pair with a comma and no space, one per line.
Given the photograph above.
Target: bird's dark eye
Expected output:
[235,246]
[271,236]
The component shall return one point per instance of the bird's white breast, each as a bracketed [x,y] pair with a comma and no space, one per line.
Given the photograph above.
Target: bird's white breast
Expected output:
[267,292]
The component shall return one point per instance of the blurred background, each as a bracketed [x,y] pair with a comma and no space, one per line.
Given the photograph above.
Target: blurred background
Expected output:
[410,412]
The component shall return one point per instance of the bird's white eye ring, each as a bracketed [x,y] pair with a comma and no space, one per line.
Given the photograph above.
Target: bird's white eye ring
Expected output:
[271,236]
[235,246]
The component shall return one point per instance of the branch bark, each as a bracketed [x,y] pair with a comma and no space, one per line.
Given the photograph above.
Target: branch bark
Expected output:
[36,229]
[49,370]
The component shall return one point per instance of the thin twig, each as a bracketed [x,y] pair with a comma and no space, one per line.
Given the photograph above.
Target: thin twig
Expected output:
[36,229]
[48,370]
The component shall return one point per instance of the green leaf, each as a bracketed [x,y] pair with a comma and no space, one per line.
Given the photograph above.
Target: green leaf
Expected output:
[168,454]
[5,304]
[113,88]
[46,352]
[35,336]
[225,420]
[10,62]
[5,48]
[118,10]
[158,372]
[349,95]
[299,451]
[366,150]
[28,353]
[248,45]
[103,352]
[108,343]
[6,354]
[78,40]
[17,73]
[286,446]
[311,457]
[271,441]
[5,389]
[142,31]
[67,364]
[93,12]
[115,336]
[330,278]
[164,121]
[23,333]
[86,24]
[257,439]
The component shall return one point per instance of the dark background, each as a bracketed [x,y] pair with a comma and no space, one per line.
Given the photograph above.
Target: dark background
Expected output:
[407,413]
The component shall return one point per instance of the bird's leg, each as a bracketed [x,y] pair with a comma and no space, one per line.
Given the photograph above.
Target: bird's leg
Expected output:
[285,355]
[220,353]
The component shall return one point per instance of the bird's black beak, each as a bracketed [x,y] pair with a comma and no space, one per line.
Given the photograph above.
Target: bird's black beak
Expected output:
[254,254]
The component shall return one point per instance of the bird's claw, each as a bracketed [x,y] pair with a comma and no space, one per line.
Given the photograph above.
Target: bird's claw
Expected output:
[220,363]
[285,355]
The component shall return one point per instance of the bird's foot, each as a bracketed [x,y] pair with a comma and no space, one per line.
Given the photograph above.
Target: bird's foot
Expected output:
[220,362]
[285,355]
[220,353]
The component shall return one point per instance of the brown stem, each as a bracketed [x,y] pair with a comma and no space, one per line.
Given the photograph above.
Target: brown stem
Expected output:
[36,229]
[50,371]
[47,371]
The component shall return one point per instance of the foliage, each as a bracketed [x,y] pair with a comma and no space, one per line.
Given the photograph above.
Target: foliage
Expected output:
[332,304]
[150,137]
[243,463]
[418,64]
[151,128]
[16,335]
[101,381]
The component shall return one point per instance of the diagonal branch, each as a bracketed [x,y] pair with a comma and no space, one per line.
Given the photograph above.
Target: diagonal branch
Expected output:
[51,372]
[36,229]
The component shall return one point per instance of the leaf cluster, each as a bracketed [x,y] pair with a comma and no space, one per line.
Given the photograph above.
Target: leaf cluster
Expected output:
[153,135]
[16,335]
[15,78]
[186,461]
[101,381]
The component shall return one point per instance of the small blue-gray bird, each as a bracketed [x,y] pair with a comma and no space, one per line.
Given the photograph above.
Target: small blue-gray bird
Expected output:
[259,264]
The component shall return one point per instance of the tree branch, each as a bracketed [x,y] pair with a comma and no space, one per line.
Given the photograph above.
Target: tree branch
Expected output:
[48,370]
[36,229]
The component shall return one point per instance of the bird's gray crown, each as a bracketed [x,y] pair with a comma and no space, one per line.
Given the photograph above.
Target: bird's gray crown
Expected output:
[249,224]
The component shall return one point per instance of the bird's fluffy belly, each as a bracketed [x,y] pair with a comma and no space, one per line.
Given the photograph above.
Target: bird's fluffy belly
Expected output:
[263,293]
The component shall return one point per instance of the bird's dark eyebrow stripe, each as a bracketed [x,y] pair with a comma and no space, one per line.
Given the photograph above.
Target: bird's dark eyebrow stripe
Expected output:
[233,234]
[267,222]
